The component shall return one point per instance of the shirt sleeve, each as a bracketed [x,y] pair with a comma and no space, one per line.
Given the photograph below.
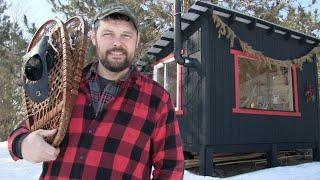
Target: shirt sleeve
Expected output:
[167,158]
[15,139]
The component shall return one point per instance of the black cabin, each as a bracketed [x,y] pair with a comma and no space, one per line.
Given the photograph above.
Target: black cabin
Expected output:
[246,85]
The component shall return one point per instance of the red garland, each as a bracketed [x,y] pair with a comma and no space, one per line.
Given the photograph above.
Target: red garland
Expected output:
[309,93]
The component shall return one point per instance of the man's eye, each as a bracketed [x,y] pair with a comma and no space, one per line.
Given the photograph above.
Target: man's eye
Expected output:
[128,36]
[106,34]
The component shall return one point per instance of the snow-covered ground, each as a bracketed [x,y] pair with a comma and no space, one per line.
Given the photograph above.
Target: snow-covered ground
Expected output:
[10,170]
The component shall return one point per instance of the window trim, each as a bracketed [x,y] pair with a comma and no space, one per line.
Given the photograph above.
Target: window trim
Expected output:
[179,97]
[238,109]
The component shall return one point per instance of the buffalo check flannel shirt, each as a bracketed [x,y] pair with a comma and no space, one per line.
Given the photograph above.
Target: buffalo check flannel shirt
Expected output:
[135,130]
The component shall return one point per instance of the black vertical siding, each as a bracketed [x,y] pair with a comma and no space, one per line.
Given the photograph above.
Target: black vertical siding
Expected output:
[191,106]
[221,92]
[208,110]
[191,120]
[229,128]
[208,100]
[317,126]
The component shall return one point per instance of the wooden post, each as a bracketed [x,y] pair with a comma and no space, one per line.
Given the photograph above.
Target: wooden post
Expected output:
[316,152]
[272,159]
[206,161]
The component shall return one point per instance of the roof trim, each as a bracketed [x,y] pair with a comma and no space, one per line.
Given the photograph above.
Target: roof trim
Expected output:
[201,7]
[240,17]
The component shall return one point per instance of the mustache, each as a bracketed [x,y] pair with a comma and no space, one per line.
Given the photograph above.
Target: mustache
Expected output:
[119,49]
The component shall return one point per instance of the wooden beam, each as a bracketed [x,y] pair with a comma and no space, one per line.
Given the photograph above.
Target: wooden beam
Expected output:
[232,18]
[158,46]
[189,17]
[287,35]
[168,36]
[271,30]
[302,40]
[252,25]
[256,158]
[198,9]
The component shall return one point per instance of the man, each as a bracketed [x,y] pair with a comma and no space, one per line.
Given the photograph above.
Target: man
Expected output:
[122,123]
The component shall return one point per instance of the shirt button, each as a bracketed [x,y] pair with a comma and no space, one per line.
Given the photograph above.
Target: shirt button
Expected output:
[81,157]
[90,131]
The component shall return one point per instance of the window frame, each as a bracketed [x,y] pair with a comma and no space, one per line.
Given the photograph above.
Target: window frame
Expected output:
[161,64]
[237,109]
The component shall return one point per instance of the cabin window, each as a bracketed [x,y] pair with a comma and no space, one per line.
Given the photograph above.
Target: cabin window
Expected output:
[169,74]
[264,90]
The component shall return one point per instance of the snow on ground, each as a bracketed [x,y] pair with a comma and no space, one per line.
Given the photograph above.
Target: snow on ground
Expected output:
[10,170]
[16,170]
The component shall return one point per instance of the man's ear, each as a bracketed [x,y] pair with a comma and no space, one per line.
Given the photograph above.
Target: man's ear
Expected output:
[138,40]
[93,38]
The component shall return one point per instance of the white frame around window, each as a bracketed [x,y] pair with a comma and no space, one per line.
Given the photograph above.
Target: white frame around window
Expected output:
[155,77]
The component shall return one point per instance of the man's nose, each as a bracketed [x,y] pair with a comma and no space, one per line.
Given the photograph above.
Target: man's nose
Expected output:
[117,41]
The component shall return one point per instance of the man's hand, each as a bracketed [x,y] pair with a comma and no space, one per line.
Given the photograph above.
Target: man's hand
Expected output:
[35,149]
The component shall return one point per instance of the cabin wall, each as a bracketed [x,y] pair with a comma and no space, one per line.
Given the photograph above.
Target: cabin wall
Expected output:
[208,100]
[230,128]
[191,121]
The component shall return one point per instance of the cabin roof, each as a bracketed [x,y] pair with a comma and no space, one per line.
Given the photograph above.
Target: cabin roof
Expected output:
[201,7]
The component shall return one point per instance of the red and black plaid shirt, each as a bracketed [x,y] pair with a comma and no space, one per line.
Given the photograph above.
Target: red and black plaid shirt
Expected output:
[134,130]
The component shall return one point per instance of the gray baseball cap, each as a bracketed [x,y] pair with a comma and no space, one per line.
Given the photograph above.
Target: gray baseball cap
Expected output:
[118,8]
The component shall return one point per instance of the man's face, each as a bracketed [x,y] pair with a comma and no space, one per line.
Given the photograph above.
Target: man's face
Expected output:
[115,41]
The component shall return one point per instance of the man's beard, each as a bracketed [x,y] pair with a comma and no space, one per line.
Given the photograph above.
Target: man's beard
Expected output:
[115,66]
